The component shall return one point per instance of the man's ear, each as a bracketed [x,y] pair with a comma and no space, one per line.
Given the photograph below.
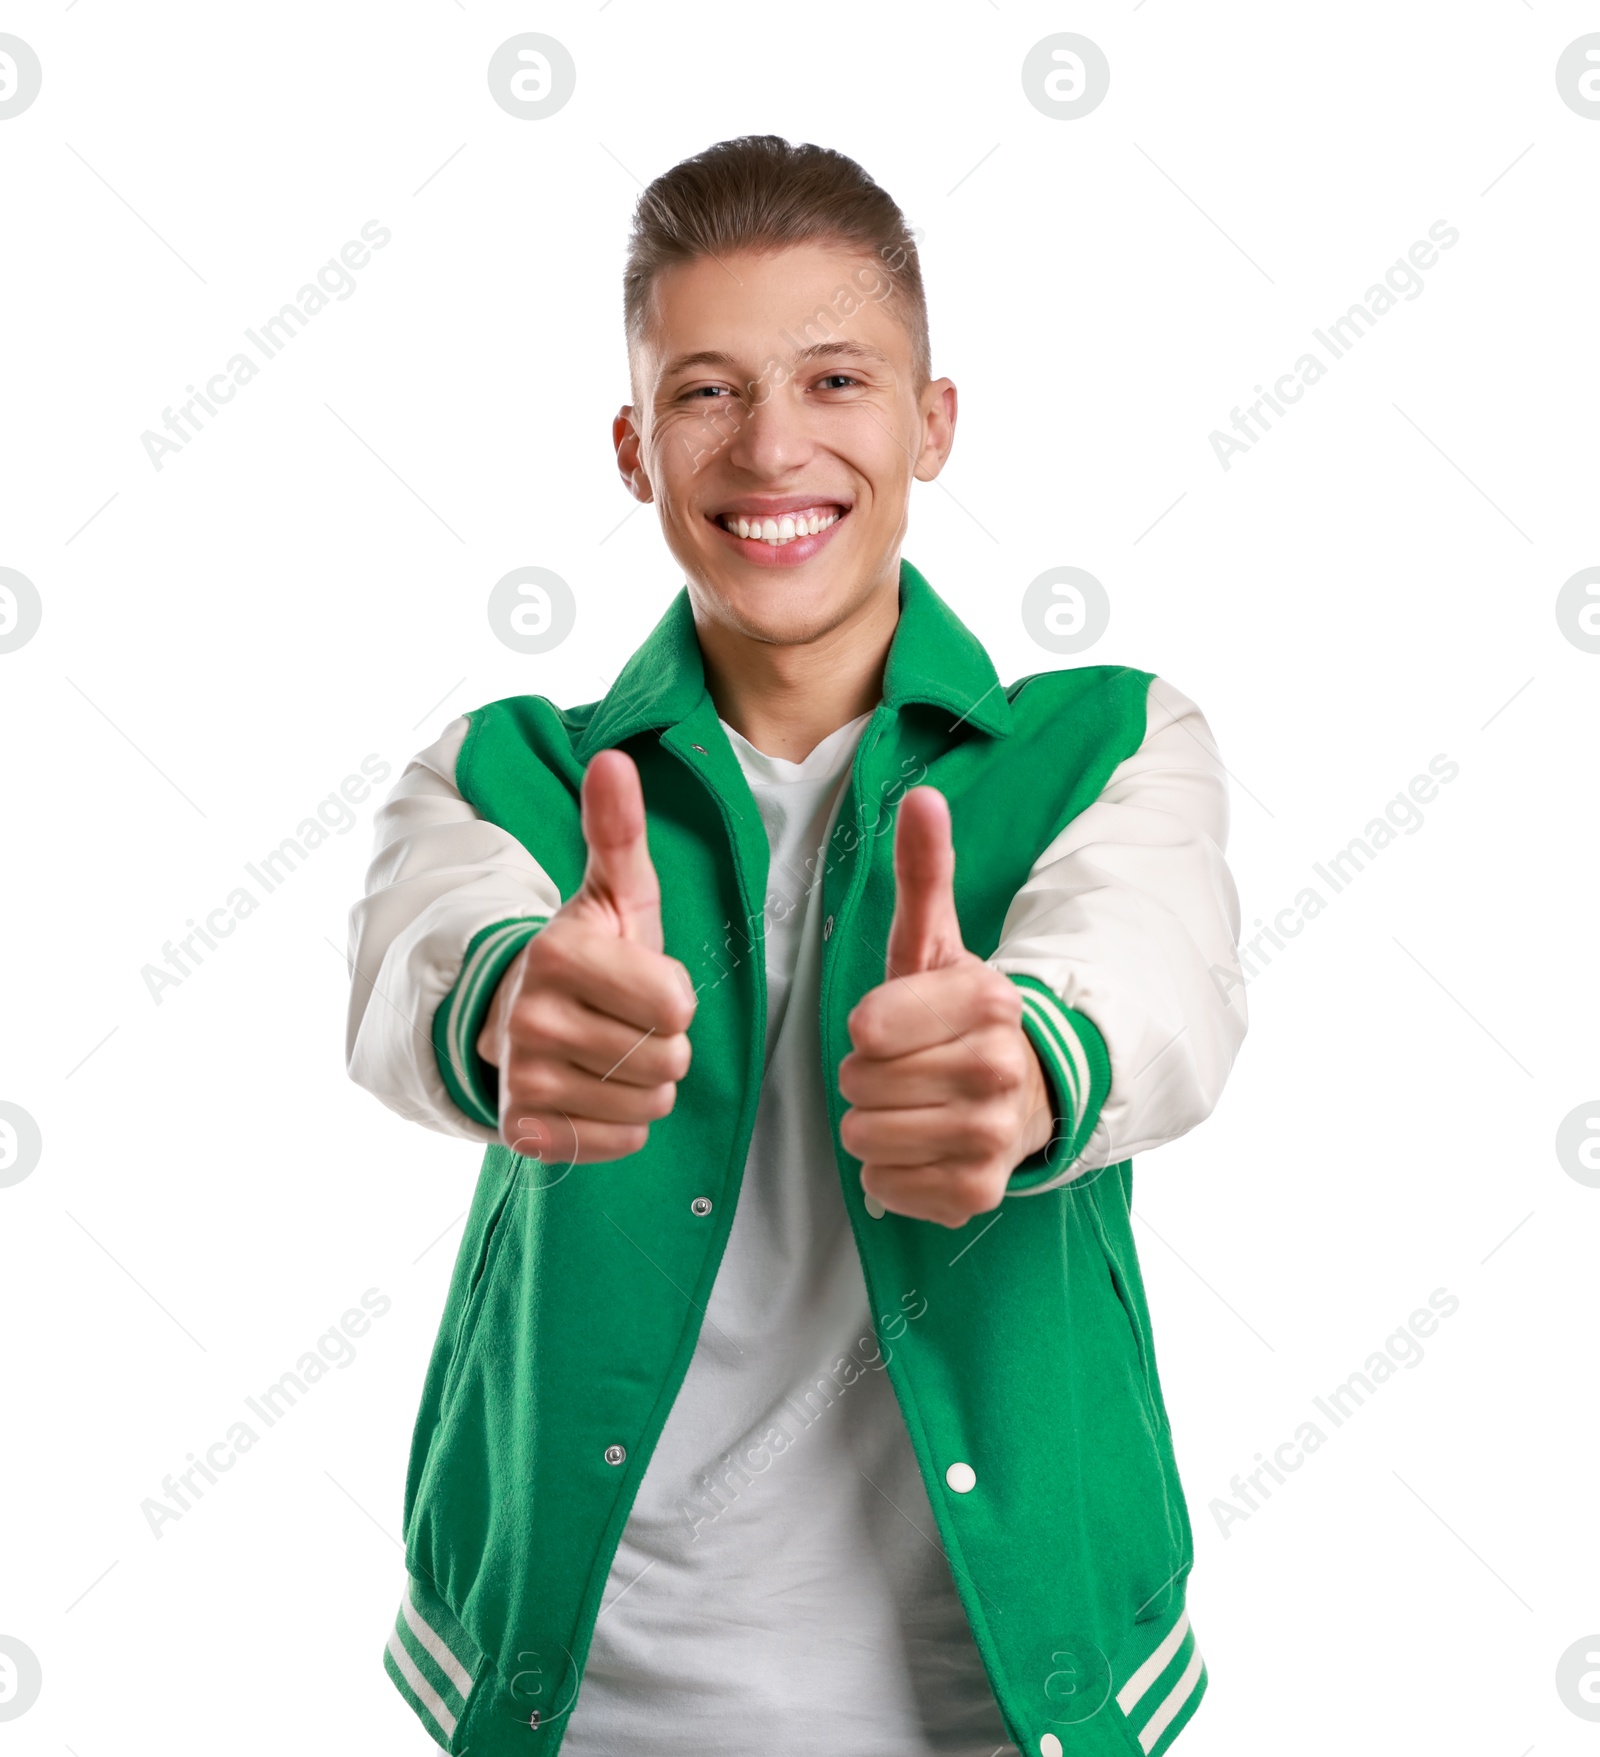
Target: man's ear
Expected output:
[938,410]
[630,464]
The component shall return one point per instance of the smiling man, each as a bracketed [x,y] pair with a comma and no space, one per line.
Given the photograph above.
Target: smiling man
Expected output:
[811,993]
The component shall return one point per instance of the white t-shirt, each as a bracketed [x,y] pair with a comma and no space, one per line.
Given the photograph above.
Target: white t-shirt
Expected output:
[780,1585]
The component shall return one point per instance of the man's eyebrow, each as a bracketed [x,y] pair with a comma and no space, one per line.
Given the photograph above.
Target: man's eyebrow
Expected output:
[848,350]
[706,357]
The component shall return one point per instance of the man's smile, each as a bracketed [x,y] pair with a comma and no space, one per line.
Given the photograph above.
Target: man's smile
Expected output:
[775,530]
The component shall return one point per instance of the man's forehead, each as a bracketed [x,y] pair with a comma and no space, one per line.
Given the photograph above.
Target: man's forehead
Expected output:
[840,348]
[796,304]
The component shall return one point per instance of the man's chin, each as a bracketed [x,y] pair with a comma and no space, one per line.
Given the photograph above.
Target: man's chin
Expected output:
[785,606]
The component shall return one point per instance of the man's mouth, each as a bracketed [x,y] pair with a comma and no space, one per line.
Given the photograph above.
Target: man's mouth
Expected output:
[777,530]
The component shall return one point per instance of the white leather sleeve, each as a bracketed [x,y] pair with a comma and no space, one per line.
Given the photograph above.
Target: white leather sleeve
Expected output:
[439,875]
[1130,917]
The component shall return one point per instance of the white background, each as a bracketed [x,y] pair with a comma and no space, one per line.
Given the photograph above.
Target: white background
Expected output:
[225,639]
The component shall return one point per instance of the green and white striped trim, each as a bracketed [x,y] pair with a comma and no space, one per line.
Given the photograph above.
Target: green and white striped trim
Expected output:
[1159,1698]
[1075,1057]
[431,1660]
[460,1016]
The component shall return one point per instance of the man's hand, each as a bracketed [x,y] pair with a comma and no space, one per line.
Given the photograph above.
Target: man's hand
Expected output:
[946,1091]
[589,1024]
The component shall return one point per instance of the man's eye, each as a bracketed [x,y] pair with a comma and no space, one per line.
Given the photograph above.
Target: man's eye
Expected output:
[705,393]
[840,378]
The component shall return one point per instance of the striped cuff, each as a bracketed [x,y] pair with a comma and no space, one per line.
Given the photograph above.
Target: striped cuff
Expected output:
[1160,1697]
[431,1660]
[473,1084]
[1079,1075]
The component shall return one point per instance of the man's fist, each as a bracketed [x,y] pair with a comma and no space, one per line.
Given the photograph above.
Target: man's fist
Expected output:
[588,1026]
[946,1091]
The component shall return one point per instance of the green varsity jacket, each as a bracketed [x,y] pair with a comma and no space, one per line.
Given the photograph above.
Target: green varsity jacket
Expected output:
[1089,817]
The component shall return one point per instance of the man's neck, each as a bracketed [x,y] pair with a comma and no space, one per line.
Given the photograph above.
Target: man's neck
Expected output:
[785,699]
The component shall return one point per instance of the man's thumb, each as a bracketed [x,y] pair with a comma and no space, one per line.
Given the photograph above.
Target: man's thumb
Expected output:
[926,932]
[619,873]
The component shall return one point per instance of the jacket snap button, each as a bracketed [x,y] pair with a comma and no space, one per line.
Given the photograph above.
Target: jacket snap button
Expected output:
[827,928]
[699,747]
[874,1207]
[701,1205]
[962,1478]
[615,1454]
[1049,1746]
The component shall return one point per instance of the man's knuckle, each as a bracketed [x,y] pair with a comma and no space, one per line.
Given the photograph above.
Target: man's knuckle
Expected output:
[975,1192]
[1008,1069]
[860,1133]
[536,1082]
[965,1135]
[536,1019]
[999,1124]
[553,957]
[683,987]
[852,1078]
[998,1000]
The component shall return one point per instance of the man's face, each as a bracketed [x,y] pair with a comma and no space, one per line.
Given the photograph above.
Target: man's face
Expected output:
[776,397]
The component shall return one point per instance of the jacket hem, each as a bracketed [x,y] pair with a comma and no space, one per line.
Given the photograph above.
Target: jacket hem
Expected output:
[1160,1678]
[431,1660]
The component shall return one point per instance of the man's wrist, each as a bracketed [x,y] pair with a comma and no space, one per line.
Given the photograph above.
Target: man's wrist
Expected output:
[470,1079]
[488,1044]
[1039,1116]
[1077,1067]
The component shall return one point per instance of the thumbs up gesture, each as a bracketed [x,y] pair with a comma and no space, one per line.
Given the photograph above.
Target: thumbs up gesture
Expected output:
[947,1095]
[589,1024]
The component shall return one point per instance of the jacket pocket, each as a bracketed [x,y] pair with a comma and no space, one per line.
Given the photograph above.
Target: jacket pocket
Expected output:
[468,1524]
[478,1288]
[1129,1540]
[1141,1343]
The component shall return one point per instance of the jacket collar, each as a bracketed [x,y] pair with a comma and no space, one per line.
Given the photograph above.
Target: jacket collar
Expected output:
[933,659]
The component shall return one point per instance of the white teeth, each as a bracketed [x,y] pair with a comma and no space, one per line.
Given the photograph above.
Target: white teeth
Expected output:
[781,530]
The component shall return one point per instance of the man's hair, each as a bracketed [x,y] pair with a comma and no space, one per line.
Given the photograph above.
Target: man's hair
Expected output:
[760,192]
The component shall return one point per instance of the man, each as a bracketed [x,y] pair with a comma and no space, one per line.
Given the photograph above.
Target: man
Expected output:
[812,992]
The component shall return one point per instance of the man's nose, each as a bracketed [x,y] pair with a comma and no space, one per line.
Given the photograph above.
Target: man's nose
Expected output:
[772,438]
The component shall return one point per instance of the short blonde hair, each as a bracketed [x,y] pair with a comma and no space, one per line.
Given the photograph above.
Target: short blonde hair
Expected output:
[760,192]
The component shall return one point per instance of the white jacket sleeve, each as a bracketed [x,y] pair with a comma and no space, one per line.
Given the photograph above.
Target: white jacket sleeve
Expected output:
[450,900]
[1129,920]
